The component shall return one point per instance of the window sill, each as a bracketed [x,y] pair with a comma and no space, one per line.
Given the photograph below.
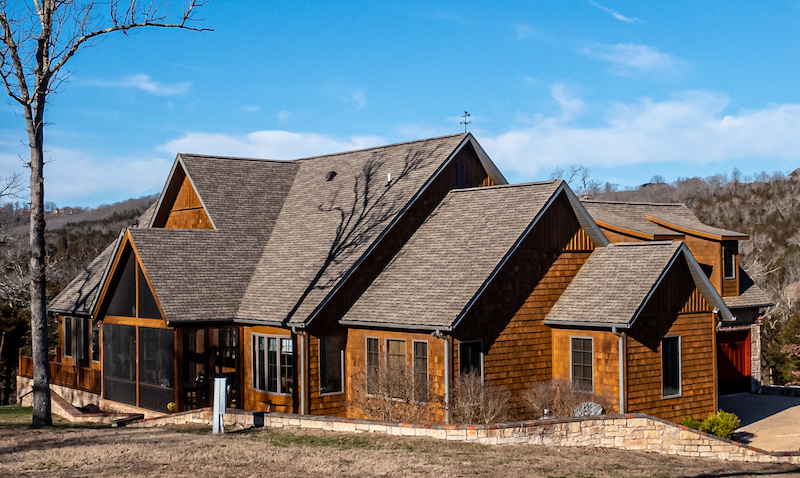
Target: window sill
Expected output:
[666,397]
[330,394]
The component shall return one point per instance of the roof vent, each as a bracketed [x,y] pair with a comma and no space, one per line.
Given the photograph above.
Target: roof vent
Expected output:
[330,175]
[389,179]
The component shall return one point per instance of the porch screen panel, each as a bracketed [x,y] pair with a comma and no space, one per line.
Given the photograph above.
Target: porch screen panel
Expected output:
[119,363]
[156,368]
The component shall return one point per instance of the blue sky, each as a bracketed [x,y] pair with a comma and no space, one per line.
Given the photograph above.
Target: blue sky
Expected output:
[628,89]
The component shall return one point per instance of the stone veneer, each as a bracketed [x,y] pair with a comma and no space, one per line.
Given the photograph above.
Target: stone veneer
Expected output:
[626,432]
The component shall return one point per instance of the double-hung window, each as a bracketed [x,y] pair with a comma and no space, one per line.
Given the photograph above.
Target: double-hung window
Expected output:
[671,366]
[331,360]
[581,363]
[420,371]
[373,365]
[273,364]
[471,357]
[729,262]
[396,367]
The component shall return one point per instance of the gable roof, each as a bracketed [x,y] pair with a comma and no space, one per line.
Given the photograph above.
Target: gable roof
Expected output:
[326,227]
[444,266]
[80,296]
[654,221]
[628,273]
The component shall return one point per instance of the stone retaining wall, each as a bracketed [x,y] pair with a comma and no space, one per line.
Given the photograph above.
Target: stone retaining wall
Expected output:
[625,432]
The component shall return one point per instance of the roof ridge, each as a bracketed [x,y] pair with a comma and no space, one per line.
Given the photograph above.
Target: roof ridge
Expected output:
[636,203]
[307,158]
[505,186]
[236,158]
[644,243]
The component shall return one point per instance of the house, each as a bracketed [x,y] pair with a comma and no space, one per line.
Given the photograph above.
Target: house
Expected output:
[299,281]
[717,251]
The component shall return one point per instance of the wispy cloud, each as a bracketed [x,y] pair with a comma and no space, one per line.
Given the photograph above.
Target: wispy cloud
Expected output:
[629,58]
[359,97]
[522,31]
[692,127]
[145,83]
[272,144]
[614,14]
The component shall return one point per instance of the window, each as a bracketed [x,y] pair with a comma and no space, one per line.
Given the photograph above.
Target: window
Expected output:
[373,365]
[331,358]
[729,265]
[581,363]
[95,341]
[68,336]
[396,367]
[671,366]
[461,175]
[471,357]
[273,364]
[420,371]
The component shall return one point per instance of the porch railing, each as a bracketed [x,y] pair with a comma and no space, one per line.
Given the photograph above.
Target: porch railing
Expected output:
[72,376]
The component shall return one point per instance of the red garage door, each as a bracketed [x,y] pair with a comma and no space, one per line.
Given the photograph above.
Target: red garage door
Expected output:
[733,360]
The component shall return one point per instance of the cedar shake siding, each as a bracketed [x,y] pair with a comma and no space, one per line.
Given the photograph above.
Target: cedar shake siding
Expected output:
[508,316]
[676,309]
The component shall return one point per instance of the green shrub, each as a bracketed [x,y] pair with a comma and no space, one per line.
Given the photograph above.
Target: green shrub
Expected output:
[721,424]
[691,423]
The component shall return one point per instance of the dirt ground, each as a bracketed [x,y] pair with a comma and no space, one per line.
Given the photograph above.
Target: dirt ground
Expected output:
[66,451]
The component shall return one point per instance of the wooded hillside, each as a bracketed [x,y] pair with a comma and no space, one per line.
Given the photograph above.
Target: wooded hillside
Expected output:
[75,236]
[766,208]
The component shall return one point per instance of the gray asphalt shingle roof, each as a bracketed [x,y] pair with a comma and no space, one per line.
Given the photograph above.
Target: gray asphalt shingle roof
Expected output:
[626,273]
[750,295]
[447,260]
[634,216]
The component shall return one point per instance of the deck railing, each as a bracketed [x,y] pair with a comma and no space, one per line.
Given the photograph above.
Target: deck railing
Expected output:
[72,376]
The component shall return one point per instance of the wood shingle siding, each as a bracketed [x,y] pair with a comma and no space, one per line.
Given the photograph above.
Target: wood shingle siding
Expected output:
[664,317]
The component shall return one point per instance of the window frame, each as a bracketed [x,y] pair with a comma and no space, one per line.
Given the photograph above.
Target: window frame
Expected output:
[278,363]
[405,362]
[571,363]
[461,344]
[69,332]
[366,364]
[341,367]
[733,253]
[679,367]
[414,371]
[96,347]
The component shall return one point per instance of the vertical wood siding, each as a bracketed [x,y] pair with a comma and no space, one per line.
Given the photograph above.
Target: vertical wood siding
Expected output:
[187,212]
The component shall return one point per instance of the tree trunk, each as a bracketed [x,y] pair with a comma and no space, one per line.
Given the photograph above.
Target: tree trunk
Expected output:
[41,367]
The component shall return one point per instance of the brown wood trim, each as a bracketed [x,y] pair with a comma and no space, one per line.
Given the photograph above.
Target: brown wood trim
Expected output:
[637,234]
[135,321]
[686,230]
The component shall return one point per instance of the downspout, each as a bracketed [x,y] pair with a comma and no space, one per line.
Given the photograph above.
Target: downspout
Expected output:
[620,348]
[438,334]
[302,349]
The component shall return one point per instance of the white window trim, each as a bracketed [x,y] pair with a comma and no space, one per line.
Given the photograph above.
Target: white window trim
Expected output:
[571,377]
[278,364]
[427,366]
[460,344]
[341,368]
[680,367]
[366,362]
[733,266]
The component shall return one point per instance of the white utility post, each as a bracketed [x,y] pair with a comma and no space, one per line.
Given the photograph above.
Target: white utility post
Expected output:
[220,385]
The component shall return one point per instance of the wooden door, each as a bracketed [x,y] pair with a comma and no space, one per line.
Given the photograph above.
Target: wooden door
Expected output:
[733,360]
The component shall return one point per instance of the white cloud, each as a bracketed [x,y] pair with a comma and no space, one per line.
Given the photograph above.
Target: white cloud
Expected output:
[266,144]
[522,31]
[359,97]
[145,83]
[571,106]
[615,14]
[283,116]
[692,127]
[628,58]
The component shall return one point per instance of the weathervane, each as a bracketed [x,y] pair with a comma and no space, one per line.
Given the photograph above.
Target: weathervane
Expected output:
[465,122]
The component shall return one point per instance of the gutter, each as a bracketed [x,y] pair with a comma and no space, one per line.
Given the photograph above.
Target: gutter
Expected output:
[620,348]
[302,352]
[439,335]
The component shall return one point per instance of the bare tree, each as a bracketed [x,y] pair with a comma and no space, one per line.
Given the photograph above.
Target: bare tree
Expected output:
[579,179]
[37,39]
[560,398]
[10,186]
[477,401]
[390,394]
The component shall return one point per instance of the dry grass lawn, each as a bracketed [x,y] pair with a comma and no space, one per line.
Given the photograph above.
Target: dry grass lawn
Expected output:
[66,450]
